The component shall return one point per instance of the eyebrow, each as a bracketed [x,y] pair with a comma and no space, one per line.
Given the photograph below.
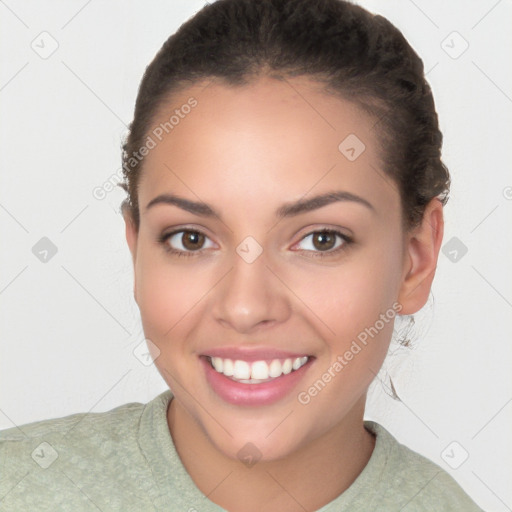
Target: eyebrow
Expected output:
[286,210]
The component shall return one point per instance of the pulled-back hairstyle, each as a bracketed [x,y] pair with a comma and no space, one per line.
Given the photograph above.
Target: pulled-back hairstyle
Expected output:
[354,54]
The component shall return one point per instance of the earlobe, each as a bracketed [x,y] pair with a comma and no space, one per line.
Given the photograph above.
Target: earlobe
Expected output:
[422,251]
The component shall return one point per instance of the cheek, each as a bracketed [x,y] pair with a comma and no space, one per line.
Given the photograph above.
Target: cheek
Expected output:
[350,298]
[358,306]
[167,294]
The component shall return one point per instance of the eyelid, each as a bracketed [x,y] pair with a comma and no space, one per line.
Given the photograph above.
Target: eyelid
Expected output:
[316,228]
[178,229]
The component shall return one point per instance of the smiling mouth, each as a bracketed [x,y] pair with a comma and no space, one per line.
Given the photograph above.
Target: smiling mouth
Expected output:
[256,372]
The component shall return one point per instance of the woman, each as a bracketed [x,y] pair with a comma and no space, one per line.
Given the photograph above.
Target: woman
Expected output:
[285,203]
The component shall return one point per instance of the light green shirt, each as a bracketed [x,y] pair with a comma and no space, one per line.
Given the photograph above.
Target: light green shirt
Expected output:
[125,459]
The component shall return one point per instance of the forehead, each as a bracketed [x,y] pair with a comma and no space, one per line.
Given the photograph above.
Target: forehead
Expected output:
[271,138]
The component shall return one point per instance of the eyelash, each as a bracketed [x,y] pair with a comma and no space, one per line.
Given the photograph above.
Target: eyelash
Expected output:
[162,239]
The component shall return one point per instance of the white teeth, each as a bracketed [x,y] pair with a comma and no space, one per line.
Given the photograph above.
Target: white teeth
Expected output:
[227,367]
[275,369]
[287,366]
[241,370]
[257,371]
[217,364]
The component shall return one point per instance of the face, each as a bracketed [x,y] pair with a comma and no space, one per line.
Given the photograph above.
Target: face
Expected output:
[238,266]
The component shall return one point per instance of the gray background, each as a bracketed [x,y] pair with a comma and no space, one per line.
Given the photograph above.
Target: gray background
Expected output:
[71,333]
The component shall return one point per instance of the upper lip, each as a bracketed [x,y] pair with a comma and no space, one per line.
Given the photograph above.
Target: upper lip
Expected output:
[252,353]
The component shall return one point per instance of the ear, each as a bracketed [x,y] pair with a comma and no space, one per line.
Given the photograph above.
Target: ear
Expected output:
[422,246]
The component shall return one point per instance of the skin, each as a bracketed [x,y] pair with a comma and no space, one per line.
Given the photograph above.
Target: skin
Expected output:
[246,151]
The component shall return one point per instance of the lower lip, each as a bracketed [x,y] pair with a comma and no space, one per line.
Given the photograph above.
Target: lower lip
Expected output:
[265,393]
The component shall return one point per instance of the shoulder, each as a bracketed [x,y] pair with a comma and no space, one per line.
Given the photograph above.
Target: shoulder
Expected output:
[54,461]
[415,482]
[77,431]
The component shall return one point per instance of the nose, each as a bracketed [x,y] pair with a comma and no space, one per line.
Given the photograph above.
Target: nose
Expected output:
[250,297]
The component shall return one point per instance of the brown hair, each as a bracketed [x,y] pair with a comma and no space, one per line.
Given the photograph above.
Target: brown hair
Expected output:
[359,56]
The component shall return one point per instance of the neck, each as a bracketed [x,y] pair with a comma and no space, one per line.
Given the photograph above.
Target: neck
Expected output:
[306,479]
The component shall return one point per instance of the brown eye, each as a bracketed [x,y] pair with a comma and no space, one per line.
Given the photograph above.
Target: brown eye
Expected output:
[186,241]
[192,240]
[324,240]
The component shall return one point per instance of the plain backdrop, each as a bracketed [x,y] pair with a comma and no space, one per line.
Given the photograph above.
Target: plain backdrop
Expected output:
[69,324]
